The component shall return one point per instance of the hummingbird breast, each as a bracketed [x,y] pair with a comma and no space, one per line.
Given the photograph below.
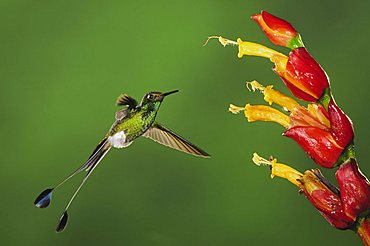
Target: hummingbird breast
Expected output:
[126,130]
[119,140]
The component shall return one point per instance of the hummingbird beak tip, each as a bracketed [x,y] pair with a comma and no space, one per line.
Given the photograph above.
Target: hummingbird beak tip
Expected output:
[169,93]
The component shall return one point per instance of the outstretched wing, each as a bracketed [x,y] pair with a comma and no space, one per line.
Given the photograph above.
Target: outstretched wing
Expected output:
[164,136]
[126,100]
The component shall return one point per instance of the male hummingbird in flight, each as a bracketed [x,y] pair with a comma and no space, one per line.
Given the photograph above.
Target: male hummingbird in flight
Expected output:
[132,121]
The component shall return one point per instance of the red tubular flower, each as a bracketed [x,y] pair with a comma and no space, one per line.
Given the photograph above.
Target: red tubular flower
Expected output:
[325,146]
[326,136]
[354,189]
[324,196]
[318,190]
[319,144]
[303,76]
[279,31]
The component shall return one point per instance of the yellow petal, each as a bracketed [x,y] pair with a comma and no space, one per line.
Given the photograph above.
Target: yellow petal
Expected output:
[266,113]
[287,172]
[253,49]
[309,117]
[318,114]
[274,96]
[312,183]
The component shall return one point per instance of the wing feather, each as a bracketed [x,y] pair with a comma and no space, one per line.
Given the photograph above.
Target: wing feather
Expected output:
[164,136]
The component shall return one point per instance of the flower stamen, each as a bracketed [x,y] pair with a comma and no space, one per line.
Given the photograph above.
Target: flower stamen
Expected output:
[235,109]
[254,85]
[222,40]
[279,170]
[274,96]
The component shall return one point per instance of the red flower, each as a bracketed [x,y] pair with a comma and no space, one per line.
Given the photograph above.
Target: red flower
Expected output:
[324,135]
[324,146]
[303,76]
[325,197]
[319,144]
[318,190]
[354,189]
[279,31]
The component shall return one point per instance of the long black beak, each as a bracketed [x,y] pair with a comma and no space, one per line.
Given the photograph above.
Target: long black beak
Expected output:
[169,93]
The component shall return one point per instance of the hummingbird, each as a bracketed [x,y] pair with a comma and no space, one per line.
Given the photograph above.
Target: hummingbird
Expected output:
[132,121]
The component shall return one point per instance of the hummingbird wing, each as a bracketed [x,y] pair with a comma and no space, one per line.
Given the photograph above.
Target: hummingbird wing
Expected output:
[126,100]
[162,135]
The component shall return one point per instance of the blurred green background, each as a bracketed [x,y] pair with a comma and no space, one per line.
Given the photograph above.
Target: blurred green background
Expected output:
[62,65]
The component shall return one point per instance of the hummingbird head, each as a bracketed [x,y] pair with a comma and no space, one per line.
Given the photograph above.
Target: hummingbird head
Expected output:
[155,97]
[152,101]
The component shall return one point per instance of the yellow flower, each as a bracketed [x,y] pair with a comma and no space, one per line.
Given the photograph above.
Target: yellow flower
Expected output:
[280,170]
[313,115]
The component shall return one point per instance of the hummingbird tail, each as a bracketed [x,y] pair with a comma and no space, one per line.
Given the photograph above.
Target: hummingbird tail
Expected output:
[44,199]
[98,154]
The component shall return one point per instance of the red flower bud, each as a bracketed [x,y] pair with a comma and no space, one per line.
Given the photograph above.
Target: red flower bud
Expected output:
[354,189]
[340,125]
[303,76]
[279,31]
[324,196]
[319,144]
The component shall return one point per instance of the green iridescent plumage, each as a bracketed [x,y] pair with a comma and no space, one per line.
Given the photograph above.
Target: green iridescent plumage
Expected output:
[136,121]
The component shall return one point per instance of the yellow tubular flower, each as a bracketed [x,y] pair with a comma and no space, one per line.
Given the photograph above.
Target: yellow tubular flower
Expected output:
[266,113]
[253,49]
[298,115]
[280,170]
[263,113]
[274,96]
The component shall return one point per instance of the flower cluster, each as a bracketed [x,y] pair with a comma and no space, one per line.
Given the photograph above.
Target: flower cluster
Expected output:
[321,128]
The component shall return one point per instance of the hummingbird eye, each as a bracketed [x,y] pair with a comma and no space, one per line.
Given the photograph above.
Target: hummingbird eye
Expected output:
[150,97]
